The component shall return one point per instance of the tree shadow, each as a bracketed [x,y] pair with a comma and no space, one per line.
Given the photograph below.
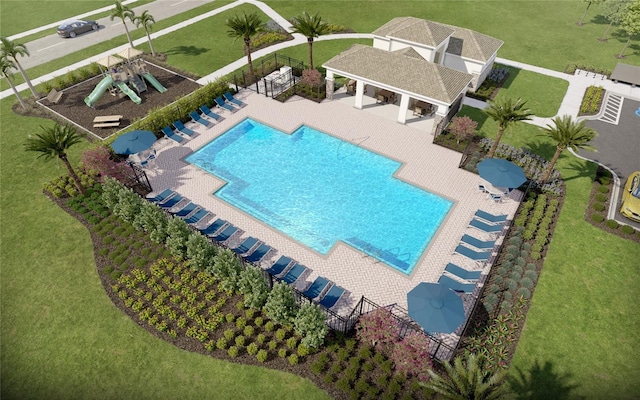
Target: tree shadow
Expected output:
[599,20]
[543,149]
[541,382]
[513,74]
[576,170]
[187,50]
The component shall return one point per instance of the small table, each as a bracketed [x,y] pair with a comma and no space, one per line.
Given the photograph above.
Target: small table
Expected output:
[386,96]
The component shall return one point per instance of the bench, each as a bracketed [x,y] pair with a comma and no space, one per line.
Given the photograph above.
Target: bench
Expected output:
[54,96]
[106,124]
[107,118]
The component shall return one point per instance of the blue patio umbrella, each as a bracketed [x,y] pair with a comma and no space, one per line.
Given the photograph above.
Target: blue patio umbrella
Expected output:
[133,142]
[435,307]
[501,173]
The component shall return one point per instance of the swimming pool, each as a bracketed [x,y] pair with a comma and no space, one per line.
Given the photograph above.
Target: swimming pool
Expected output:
[318,190]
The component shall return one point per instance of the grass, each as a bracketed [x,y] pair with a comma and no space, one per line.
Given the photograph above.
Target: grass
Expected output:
[581,336]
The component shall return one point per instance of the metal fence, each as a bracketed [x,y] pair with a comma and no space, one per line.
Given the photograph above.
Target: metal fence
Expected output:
[264,68]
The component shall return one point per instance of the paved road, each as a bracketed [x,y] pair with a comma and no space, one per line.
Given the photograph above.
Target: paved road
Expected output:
[52,47]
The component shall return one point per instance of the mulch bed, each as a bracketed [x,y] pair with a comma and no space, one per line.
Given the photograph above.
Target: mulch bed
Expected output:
[72,105]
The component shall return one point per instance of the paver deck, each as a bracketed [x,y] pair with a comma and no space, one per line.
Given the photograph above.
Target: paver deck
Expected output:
[425,165]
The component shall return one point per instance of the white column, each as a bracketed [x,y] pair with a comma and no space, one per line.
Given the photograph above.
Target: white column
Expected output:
[404,106]
[359,94]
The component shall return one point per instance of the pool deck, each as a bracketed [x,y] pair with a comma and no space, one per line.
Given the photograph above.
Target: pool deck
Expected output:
[425,165]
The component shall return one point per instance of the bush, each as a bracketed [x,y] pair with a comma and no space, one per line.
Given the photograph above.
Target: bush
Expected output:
[200,252]
[598,206]
[524,292]
[252,349]
[241,323]
[598,218]
[240,341]
[292,342]
[601,197]
[531,275]
[249,330]
[233,351]
[613,224]
[178,233]
[293,359]
[227,268]
[462,128]
[411,355]
[262,355]
[269,326]
[603,189]
[510,284]
[254,287]
[282,353]
[310,323]
[281,304]
[628,230]
[378,329]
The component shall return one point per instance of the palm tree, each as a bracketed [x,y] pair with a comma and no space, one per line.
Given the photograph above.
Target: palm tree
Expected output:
[146,20]
[506,112]
[311,27]
[12,50]
[6,66]
[468,379]
[567,134]
[123,12]
[54,142]
[245,27]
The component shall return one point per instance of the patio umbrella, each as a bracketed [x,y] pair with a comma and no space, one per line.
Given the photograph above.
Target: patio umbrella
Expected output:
[501,173]
[133,142]
[435,307]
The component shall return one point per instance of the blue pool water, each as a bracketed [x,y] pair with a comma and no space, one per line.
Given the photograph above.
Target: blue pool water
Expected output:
[318,190]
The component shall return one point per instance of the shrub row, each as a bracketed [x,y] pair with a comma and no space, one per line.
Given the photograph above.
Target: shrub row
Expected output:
[591,100]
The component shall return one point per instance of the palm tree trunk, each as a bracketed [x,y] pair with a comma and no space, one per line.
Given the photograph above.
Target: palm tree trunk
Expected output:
[584,15]
[621,55]
[73,174]
[247,50]
[496,142]
[26,78]
[310,41]
[126,30]
[15,91]
[552,164]
[153,52]
[604,37]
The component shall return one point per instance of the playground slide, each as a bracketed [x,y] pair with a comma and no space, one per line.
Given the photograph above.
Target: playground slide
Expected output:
[132,95]
[153,81]
[98,91]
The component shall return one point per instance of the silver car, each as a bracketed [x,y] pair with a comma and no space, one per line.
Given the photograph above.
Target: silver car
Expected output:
[76,27]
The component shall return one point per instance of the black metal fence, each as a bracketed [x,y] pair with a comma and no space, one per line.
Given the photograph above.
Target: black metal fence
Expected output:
[263,68]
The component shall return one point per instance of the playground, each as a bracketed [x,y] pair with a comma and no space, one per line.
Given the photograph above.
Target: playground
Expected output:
[127,88]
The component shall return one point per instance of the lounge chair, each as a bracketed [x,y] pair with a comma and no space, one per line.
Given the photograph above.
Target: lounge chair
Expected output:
[497,198]
[317,287]
[245,246]
[198,119]
[162,196]
[186,210]
[279,266]
[332,296]
[477,256]
[225,234]
[197,216]
[486,228]
[455,285]
[482,188]
[293,274]
[183,129]
[463,273]
[229,97]
[494,219]
[207,111]
[168,132]
[477,243]
[220,102]
[170,203]
[213,227]
[258,254]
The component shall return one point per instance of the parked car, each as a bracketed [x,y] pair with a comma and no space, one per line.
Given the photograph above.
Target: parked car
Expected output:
[631,197]
[76,27]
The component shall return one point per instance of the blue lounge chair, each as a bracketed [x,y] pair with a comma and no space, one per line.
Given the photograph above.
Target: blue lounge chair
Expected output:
[220,102]
[229,97]
[477,256]
[170,203]
[186,210]
[317,287]
[245,246]
[197,216]
[207,111]
[331,297]
[477,243]
[486,228]
[293,274]
[455,285]
[197,118]
[494,219]
[279,266]
[168,132]
[164,195]
[213,227]
[183,129]
[258,254]
[225,234]
[463,273]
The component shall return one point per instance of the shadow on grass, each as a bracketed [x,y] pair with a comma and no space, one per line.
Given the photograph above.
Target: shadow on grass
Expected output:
[475,114]
[513,74]
[543,149]
[187,50]
[541,382]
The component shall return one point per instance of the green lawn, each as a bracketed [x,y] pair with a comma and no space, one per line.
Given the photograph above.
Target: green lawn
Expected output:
[62,337]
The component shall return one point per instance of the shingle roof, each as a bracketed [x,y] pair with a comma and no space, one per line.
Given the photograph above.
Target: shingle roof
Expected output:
[471,44]
[400,71]
[410,52]
[415,30]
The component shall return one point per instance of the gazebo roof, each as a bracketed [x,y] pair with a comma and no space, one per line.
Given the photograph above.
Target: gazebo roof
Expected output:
[406,73]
